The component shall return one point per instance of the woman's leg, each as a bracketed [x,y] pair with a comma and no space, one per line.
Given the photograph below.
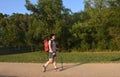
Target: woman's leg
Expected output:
[55,63]
[46,64]
[50,60]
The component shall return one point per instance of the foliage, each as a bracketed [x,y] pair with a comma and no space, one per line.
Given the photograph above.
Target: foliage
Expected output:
[95,28]
[73,57]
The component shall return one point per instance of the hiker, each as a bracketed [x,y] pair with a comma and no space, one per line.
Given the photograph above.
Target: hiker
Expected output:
[52,53]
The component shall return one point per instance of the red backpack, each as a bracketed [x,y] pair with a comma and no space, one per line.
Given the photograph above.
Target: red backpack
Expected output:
[46,46]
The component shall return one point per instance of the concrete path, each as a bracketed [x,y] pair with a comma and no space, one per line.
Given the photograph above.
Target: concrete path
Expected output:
[69,70]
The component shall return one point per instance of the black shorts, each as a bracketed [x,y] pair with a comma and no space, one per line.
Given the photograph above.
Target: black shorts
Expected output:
[51,55]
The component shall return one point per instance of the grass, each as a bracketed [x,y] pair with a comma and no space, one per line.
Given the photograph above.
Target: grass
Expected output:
[74,57]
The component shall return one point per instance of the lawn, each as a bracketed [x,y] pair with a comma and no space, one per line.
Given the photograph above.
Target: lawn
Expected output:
[73,57]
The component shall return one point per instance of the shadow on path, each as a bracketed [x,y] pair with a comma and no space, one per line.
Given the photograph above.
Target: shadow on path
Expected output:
[71,66]
[66,67]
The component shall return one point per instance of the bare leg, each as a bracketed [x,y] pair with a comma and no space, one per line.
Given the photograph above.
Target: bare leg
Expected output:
[48,62]
[54,63]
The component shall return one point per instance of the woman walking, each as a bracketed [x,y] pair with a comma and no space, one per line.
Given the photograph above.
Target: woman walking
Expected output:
[52,53]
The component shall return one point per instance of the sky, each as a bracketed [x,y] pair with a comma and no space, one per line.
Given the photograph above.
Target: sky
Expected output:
[18,6]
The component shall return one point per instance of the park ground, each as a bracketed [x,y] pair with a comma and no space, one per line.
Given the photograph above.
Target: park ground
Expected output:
[69,70]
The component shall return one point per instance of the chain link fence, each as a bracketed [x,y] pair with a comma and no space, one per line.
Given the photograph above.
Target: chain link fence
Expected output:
[15,50]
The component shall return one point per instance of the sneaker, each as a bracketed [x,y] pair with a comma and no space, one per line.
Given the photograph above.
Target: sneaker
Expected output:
[56,69]
[44,68]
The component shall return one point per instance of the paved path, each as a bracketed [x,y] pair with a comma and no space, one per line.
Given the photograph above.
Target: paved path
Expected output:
[70,70]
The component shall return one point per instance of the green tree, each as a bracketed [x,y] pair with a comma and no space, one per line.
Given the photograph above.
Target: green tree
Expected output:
[53,15]
[11,36]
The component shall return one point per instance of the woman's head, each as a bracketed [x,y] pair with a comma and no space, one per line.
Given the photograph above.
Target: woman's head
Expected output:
[52,36]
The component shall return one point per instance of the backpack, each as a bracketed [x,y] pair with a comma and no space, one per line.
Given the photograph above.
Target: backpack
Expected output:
[46,46]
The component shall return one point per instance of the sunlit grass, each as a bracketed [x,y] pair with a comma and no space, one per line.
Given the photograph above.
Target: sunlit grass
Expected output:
[73,57]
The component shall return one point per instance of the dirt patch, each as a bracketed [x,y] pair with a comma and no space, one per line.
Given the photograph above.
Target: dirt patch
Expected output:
[69,70]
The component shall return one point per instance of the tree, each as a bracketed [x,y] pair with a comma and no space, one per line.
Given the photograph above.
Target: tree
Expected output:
[53,16]
[48,10]
[11,36]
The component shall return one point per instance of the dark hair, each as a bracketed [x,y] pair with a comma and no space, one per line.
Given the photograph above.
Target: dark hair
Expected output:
[51,35]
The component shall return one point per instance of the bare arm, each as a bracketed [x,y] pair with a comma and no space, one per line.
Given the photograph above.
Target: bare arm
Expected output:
[50,48]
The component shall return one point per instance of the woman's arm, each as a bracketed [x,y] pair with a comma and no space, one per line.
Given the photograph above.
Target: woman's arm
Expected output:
[50,47]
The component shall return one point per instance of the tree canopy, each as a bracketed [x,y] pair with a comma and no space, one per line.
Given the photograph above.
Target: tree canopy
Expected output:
[97,27]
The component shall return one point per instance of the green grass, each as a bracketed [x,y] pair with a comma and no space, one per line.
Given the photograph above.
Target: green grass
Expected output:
[74,57]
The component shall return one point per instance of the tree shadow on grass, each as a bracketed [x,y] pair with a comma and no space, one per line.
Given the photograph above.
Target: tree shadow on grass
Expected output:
[116,59]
